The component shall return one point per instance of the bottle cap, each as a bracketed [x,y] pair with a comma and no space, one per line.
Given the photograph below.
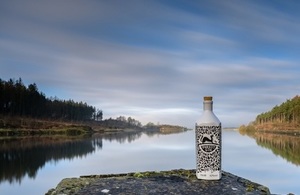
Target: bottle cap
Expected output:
[207,98]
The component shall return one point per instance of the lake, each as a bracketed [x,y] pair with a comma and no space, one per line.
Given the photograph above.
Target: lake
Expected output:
[33,165]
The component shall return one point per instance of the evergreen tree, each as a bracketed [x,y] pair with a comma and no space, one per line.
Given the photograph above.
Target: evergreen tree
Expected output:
[18,100]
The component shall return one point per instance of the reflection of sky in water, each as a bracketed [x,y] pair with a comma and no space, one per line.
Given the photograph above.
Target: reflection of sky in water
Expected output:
[241,156]
[148,153]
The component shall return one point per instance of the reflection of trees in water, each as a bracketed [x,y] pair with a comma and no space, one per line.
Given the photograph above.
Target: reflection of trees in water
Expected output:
[156,131]
[122,137]
[24,156]
[129,135]
[132,135]
[286,146]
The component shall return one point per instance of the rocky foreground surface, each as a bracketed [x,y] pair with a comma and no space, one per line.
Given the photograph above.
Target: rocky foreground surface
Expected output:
[164,182]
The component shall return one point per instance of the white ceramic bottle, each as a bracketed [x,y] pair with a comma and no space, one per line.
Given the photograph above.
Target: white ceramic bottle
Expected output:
[208,143]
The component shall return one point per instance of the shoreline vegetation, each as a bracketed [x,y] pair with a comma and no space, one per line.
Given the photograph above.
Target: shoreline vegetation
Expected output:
[14,126]
[24,110]
[282,119]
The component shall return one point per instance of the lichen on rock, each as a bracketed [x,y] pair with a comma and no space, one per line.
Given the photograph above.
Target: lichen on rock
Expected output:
[164,182]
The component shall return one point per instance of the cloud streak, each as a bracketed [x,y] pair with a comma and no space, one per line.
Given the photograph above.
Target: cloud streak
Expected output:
[156,60]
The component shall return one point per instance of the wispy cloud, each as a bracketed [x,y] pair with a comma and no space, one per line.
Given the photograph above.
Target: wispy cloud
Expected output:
[155,60]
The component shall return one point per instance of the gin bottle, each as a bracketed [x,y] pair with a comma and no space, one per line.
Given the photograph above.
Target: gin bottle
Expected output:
[208,143]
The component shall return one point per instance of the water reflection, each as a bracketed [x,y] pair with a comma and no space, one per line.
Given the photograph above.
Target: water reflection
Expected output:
[284,145]
[24,156]
[121,137]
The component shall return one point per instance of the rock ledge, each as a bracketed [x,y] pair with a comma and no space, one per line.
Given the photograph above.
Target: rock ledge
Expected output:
[164,182]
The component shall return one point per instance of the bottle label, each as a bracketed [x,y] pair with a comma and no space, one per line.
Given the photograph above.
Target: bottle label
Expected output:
[208,148]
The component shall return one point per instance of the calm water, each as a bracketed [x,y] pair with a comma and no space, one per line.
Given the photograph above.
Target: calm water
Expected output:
[34,165]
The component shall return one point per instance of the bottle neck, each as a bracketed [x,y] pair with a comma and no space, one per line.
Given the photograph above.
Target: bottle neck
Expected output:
[208,105]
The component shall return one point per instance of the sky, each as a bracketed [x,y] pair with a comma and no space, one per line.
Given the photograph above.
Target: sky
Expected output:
[154,60]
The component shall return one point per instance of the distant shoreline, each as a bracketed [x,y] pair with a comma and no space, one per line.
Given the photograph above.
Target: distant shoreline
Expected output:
[276,128]
[20,126]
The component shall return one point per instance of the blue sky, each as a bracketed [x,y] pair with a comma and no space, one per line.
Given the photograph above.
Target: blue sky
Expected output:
[155,60]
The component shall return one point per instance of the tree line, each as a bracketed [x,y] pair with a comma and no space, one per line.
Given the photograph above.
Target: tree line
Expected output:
[16,159]
[287,112]
[16,99]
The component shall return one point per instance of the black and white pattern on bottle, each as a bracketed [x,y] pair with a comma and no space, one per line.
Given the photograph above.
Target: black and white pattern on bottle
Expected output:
[208,148]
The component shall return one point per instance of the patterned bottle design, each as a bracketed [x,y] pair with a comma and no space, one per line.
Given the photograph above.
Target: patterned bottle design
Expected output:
[208,143]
